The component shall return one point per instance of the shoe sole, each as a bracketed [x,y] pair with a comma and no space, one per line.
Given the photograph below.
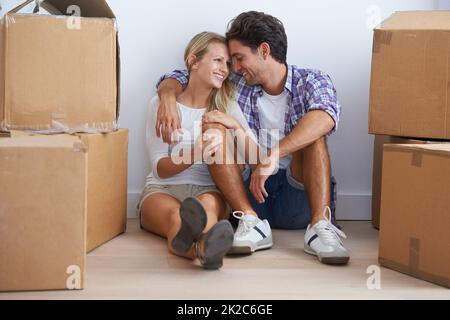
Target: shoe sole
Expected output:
[328,260]
[247,250]
[218,241]
[193,221]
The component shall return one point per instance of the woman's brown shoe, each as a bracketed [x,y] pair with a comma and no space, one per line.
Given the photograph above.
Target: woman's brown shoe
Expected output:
[213,245]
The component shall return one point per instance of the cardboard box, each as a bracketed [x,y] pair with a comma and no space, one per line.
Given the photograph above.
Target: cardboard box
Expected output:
[60,73]
[107,185]
[415,219]
[379,142]
[410,76]
[104,205]
[43,183]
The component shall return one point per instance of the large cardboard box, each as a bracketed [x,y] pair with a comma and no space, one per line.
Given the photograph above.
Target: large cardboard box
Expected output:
[43,183]
[379,142]
[60,73]
[415,218]
[102,218]
[107,185]
[410,75]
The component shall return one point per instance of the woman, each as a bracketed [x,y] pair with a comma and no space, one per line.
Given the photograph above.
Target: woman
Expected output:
[180,201]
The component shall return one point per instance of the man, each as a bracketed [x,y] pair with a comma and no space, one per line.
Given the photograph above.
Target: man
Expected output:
[302,105]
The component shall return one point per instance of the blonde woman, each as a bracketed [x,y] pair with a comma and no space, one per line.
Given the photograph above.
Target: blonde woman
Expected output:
[180,200]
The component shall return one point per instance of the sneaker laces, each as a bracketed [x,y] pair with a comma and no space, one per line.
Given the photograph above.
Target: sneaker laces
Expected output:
[327,232]
[245,225]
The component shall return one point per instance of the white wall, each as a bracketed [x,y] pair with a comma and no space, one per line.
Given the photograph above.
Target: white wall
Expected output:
[326,34]
[332,35]
[443,4]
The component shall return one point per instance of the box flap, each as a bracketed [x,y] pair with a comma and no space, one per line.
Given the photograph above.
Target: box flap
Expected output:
[21,140]
[88,8]
[417,20]
[435,147]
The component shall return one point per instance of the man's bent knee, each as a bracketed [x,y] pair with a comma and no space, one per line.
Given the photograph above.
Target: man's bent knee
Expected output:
[321,142]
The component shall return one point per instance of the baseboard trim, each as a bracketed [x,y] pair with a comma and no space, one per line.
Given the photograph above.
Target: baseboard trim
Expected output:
[133,198]
[349,206]
[354,207]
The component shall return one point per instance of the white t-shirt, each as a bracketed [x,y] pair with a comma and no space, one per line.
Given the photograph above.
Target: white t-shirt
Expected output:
[190,120]
[272,112]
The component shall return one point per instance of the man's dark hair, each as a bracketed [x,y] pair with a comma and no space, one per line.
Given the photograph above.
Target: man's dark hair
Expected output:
[253,28]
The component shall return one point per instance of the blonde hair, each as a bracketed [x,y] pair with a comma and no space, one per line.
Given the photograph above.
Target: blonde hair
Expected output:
[198,46]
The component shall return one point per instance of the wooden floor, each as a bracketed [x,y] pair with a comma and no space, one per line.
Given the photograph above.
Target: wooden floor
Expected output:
[136,265]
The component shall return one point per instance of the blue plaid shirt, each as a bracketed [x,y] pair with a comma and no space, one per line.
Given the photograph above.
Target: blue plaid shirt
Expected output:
[307,90]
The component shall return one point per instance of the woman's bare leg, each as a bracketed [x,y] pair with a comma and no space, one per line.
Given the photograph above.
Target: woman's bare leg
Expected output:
[215,207]
[160,214]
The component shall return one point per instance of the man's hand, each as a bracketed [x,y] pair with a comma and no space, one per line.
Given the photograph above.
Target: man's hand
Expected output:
[222,118]
[167,120]
[260,175]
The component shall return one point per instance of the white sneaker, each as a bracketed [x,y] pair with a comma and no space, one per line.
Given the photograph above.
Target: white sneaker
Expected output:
[323,240]
[251,235]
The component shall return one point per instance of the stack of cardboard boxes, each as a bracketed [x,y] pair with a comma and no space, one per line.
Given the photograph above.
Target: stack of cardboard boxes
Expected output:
[410,115]
[63,160]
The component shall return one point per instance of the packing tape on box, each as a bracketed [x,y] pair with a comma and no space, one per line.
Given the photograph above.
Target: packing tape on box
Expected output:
[381,37]
[9,19]
[79,147]
[413,267]
[96,127]
[58,124]
[61,127]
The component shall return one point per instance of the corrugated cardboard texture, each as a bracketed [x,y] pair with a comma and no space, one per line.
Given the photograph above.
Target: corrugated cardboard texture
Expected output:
[57,74]
[42,213]
[415,220]
[379,142]
[410,76]
[107,185]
